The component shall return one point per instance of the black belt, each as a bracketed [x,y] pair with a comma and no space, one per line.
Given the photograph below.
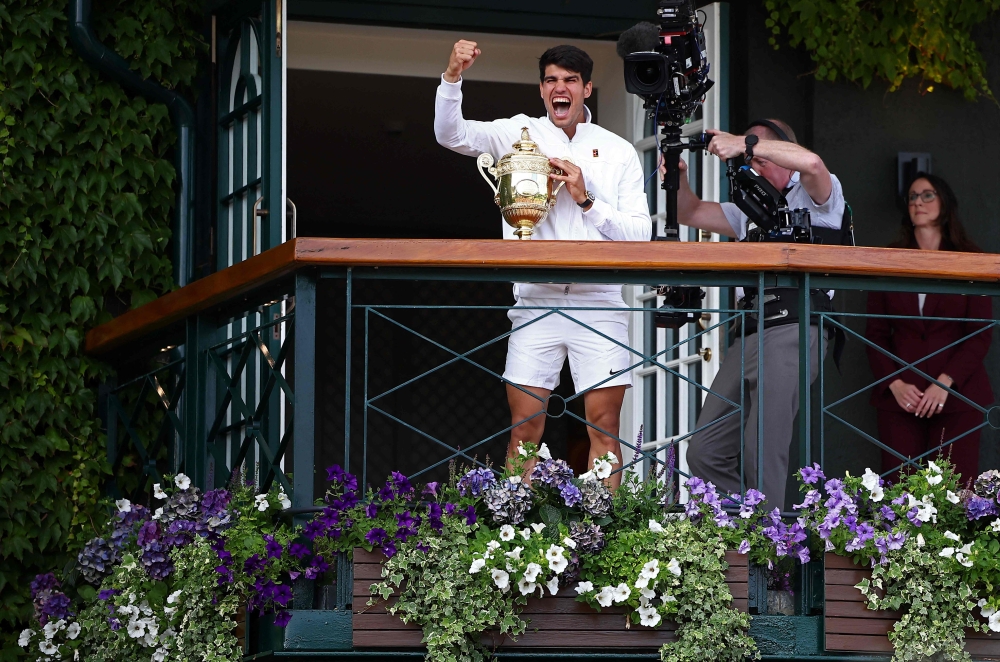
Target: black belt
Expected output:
[781,307]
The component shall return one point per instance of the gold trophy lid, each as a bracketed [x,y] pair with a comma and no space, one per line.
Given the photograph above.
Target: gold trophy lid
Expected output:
[525,145]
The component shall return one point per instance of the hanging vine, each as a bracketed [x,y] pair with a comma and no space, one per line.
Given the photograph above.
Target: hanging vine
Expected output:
[891,40]
[86,190]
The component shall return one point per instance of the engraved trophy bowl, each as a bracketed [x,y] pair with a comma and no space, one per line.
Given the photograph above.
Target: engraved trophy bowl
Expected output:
[523,189]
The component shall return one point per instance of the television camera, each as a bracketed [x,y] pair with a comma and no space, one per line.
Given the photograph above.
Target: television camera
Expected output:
[667,65]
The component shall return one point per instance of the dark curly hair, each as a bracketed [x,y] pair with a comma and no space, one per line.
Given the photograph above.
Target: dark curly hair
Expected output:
[953,236]
[569,58]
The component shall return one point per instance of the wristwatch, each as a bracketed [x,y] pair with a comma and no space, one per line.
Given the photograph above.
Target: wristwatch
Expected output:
[750,142]
[588,202]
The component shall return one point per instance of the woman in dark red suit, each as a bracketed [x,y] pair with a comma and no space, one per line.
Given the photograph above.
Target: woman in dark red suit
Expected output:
[914,414]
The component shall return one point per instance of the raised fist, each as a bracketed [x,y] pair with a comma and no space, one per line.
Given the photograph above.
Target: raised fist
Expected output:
[462,56]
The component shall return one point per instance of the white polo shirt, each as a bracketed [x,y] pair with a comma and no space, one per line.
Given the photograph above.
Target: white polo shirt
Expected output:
[611,170]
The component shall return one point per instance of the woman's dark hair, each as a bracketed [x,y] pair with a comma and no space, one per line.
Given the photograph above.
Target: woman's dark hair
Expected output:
[953,237]
[569,58]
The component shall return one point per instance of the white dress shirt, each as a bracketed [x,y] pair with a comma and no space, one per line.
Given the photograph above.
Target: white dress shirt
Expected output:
[611,171]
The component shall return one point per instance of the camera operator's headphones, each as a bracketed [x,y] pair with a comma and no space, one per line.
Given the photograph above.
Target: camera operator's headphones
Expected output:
[768,124]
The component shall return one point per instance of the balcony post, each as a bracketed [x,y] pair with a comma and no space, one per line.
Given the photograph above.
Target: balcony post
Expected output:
[304,415]
[805,365]
[199,400]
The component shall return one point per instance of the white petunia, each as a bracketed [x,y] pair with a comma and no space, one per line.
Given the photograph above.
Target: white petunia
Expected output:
[145,608]
[995,526]
[26,635]
[934,467]
[136,628]
[182,481]
[674,567]
[159,655]
[507,532]
[169,611]
[963,560]
[521,450]
[649,617]
[172,598]
[158,491]
[553,585]
[994,623]
[869,480]
[261,502]
[544,453]
[537,526]
[588,477]
[158,513]
[525,586]
[477,565]
[514,553]
[877,493]
[532,571]
[581,588]
[951,536]
[48,647]
[73,631]
[493,545]
[655,526]
[50,629]
[501,579]
[666,597]
[554,552]
[951,496]
[966,548]
[610,457]
[920,540]
[648,593]
[149,639]
[622,592]
[569,542]
[947,552]
[525,533]
[557,566]
[934,479]
[642,581]
[606,596]
[123,505]
[602,468]
[283,499]
[651,569]
[926,512]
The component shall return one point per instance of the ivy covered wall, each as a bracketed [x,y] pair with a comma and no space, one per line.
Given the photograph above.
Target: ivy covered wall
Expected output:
[85,204]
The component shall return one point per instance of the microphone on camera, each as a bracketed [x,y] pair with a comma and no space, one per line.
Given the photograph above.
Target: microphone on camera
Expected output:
[640,37]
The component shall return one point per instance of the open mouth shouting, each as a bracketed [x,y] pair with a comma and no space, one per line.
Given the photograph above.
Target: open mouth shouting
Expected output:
[561,105]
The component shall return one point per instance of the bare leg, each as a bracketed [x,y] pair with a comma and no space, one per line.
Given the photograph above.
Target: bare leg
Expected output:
[523,407]
[604,408]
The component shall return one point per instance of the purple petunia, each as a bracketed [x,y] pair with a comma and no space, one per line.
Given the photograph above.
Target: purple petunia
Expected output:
[469,514]
[812,475]
[434,516]
[430,489]
[376,537]
[272,547]
[282,618]
[371,510]
[254,564]
[298,550]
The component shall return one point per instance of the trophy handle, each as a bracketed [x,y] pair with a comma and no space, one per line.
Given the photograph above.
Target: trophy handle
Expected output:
[485,163]
[559,186]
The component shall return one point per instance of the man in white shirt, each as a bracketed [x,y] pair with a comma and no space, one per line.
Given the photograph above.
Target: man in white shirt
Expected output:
[714,452]
[603,200]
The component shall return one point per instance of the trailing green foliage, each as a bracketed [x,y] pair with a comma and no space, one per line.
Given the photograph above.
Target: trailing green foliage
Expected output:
[85,201]
[861,40]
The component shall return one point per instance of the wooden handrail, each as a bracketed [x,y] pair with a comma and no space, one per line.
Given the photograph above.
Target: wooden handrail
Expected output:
[499,254]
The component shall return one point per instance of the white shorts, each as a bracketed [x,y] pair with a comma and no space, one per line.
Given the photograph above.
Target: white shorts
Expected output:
[536,350]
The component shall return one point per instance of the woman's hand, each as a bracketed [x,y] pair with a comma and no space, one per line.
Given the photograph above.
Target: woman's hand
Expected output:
[934,398]
[907,395]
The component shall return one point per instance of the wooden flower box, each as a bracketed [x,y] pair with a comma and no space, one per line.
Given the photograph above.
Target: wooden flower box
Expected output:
[557,621]
[850,626]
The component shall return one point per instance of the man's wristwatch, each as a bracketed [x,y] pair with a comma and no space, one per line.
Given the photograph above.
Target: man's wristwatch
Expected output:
[750,142]
[585,205]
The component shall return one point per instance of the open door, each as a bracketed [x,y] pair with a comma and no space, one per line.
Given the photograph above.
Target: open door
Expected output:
[248,49]
[251,124]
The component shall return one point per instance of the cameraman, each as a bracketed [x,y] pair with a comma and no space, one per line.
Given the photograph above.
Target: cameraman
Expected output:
[806,183]
[603,200]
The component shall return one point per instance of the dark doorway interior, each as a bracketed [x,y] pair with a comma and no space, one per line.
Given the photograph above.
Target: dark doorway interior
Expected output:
[363,161]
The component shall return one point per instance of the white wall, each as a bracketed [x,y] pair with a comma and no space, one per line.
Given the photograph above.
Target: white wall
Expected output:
[424,53]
